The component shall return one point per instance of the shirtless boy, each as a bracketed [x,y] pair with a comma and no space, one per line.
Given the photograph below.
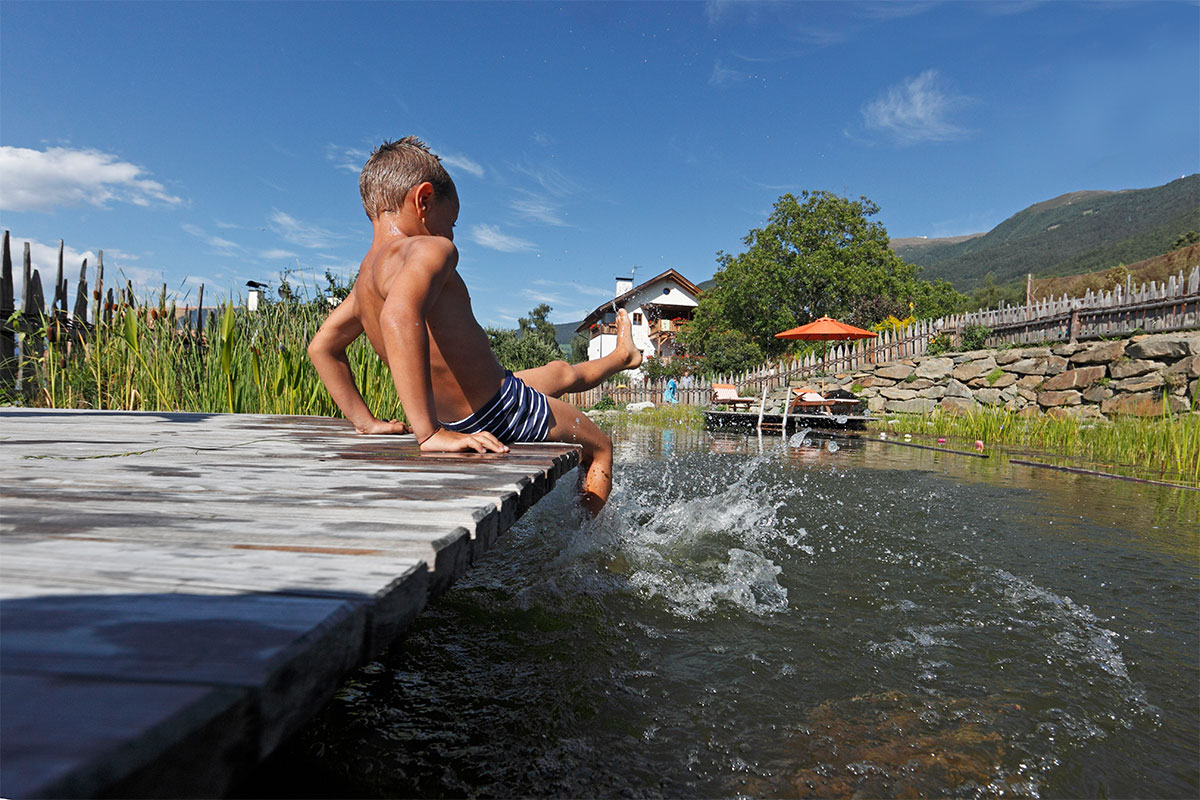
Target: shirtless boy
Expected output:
[414,308]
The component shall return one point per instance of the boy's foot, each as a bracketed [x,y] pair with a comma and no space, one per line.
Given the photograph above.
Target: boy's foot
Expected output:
[625,346]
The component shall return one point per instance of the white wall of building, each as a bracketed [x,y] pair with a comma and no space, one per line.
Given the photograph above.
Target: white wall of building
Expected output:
[663,291]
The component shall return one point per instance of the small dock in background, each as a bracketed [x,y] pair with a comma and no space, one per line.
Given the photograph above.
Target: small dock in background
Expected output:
[749,421]
[181,592]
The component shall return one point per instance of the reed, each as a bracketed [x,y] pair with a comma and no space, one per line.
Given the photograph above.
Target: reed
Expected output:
[1167,444]
[244,362]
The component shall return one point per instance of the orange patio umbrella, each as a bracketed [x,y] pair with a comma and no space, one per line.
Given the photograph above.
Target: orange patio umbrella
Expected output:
[826,329]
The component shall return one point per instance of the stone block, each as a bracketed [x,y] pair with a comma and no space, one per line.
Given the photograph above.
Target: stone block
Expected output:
[1066,349]
[918,384]
[1100,352]
[918,405]
[871,380]
[876,405]
[1141,404]
[935,368]
[1011,393]
[1055,365]
[1084,413]
[1168,348]
[1189,366]
[897,393]
[1004,381]
[1016,404]
[1069,397]
[957,389]
[895,372]
[1007,357]
[1028,366]
[1074,378]
[935,392]
[1029,412]
[1030,381]
[1028,394]
[989,397]
[1193,388]
[1035,352]
[1140,383]
[958,405]
[1097,393]
[973,369]
[1127,369]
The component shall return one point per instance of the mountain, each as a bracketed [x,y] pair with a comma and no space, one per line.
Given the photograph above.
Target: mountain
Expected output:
[1072,233]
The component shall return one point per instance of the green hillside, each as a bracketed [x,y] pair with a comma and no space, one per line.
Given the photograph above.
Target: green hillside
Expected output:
[1077,232]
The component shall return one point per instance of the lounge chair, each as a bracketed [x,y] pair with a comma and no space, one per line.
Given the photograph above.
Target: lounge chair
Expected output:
[810,402]
[725,394]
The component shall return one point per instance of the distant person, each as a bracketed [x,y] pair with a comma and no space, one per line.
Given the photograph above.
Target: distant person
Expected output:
[414,308]
[671,394]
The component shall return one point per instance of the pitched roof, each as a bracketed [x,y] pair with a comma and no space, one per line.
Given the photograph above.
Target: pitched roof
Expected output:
[619,301]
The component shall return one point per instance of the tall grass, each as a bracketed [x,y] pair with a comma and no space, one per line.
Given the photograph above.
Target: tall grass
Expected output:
[245,362]
[1167,444]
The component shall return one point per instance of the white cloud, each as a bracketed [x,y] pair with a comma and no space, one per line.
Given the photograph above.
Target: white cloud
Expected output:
[538,209]
[219,246]
[36,180]
[276,254]
[350,159]
[723,76]
[300,233]
[462,164]
[576,287]
[916,110]
[490,236]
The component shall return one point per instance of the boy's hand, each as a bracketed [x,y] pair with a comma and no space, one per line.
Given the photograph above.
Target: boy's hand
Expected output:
[380,427]
[444,441]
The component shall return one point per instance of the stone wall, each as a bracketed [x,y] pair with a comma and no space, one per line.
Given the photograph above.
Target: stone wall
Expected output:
[1085,380]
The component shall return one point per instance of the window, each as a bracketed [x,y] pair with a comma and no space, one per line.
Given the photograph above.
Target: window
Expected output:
[637,318]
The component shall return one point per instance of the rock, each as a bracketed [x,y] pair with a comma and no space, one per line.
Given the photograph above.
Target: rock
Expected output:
[1029,412]
[1193,388]
[895,372]
[1126,369]
[876,405]
[1030,381]
[918,405]
[918,384]
[958,405]
[871,380]
[1066,349]
[1035,352]
[1097,393]
[933,392]
[1100,352]
[957,389]
[1011,393]
[1051,399]
[1007,357]
[1074,378]
[973,369]
[935,368]
[1084,412]
[1141,383]
[1055,365]
[1160,347]
[639,406]
[1141,404]
[897,393]
[1028,366]
[1028,394]
[1189,366]
[1005,380]
[989,397]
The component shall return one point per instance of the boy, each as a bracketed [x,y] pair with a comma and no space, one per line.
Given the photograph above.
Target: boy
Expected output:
[414,308]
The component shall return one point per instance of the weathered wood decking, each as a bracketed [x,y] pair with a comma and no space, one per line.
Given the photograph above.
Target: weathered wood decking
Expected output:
[179,592]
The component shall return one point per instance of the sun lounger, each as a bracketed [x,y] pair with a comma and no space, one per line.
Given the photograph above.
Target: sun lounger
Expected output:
[811,403]
[725,394]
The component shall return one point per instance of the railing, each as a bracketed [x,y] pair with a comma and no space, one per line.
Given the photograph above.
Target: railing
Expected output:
[1170,306]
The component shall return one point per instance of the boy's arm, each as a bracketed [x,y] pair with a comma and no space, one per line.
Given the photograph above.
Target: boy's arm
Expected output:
[412,294]
[328,353]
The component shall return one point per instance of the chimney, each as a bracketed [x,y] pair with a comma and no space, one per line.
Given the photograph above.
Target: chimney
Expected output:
[623,285]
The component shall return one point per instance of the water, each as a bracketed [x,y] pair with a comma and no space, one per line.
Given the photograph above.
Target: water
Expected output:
[831,619]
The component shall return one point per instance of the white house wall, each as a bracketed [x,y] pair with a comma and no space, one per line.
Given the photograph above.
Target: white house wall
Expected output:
[602,345]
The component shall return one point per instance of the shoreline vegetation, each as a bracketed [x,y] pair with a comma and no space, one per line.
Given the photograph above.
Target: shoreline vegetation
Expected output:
[1164,448]
[145,360]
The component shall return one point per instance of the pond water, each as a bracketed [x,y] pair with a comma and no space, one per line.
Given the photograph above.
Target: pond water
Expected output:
[842,618]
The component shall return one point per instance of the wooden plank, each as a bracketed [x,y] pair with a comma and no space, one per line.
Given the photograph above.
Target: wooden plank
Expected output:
[224,571]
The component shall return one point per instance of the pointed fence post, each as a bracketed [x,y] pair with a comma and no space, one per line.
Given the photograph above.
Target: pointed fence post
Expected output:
[8,339]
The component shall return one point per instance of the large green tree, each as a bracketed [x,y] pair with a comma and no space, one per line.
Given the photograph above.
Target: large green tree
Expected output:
[531,345]
[819,254]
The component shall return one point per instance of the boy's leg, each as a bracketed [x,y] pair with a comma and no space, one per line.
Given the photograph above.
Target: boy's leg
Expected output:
[595,466]
[558,377]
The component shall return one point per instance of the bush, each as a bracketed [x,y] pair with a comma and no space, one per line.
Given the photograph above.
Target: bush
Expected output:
[606,404]
[975,337]
[939,344]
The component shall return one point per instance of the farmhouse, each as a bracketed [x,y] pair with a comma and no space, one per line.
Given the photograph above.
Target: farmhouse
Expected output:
[659,308]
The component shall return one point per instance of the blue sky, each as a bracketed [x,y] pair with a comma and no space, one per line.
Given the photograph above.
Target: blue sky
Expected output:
[216,143]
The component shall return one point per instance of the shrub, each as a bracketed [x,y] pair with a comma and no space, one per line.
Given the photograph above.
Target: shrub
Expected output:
[939,344]
[974,337]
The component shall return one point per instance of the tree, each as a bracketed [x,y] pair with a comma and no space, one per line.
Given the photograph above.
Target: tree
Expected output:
[818,254]
[531,345]
[1191,237]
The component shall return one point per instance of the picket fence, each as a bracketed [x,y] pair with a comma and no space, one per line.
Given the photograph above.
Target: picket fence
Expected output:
[1170,306]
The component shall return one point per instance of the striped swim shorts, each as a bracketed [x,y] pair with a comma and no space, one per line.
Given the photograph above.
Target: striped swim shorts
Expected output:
[516,414]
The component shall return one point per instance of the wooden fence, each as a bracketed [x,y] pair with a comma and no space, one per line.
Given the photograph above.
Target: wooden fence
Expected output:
[1171,306]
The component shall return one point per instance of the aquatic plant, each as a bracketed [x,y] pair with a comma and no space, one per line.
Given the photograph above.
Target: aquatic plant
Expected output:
[1167,444]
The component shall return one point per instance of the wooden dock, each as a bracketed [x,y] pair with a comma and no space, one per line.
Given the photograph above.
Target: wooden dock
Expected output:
[180,592]
[748,420]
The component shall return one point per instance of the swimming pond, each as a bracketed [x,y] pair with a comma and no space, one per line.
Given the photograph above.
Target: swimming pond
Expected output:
[843,618]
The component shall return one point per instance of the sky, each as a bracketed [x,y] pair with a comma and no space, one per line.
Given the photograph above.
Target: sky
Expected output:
[217,143]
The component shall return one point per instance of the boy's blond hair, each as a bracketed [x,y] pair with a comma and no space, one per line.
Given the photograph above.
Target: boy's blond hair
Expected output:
[396,167]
